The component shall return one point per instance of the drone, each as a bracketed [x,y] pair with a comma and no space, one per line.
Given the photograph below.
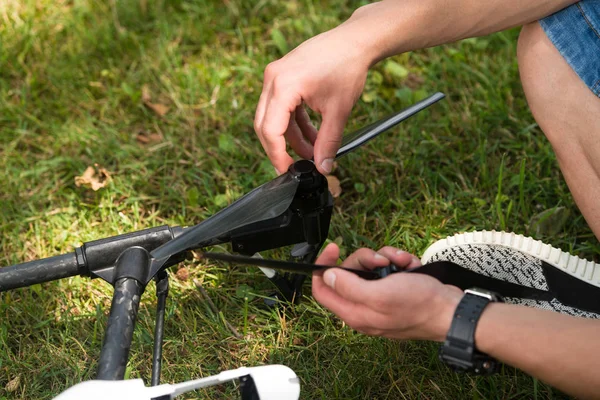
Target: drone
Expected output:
[294,209]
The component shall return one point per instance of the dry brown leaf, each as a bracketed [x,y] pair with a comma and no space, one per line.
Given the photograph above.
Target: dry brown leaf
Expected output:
[145,137]
[298,341]
[414,81]
[183,274]
[334,186]
[158,108]
[13,384]
[93,177]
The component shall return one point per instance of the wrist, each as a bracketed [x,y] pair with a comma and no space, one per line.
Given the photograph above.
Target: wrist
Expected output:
[484,337]
[387,28]
[445,307]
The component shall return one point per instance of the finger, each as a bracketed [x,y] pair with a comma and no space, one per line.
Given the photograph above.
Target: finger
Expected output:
[295,137]
[275,123]
[329,255]
[259,115]
[352,313]
[350,286]
[308,129]
[322,291]
[263,100]
[329,139]
[365,259]
[400,258]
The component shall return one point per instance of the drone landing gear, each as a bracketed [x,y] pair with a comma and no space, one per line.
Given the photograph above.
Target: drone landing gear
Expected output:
[130,272]
[162,291]
[290,285]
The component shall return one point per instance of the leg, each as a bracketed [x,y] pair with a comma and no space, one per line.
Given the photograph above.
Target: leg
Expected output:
[569,114]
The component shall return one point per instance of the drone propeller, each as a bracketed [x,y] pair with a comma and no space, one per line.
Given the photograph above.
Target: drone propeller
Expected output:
[266,201]
[363,135]
[271,199]
[289,266]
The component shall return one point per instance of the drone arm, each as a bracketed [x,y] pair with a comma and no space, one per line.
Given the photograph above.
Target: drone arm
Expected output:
[39,271]
[96,259]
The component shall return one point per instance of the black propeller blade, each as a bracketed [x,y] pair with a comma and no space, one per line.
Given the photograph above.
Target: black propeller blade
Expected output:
[444,271]
[265,202]
[363,135]
[289,266]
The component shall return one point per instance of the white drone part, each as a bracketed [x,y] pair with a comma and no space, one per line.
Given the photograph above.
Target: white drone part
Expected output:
[270,273]
[131,389]
[272,382]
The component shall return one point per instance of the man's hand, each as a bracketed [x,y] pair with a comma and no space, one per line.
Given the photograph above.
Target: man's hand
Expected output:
[399,306]
[326,73]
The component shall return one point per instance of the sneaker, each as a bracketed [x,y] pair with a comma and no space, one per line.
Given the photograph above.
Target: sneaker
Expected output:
[573,281]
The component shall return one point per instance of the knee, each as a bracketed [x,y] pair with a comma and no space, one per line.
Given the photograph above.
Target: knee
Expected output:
[537,59]
[553,90]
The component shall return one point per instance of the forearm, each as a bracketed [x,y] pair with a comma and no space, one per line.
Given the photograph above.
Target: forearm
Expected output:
[395,26]
[561,350]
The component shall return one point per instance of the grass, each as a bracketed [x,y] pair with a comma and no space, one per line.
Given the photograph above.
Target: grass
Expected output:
[71,79]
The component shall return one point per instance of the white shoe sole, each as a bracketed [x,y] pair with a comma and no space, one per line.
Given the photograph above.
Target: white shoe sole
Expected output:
[587,271]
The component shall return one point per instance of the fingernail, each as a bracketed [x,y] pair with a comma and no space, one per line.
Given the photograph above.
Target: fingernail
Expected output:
[379,256]
[277,171]
[400,252]
[329,278]
[327,164]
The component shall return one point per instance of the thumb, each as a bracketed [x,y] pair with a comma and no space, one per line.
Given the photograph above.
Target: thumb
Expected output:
[349,286]
[329,139]
[329,256]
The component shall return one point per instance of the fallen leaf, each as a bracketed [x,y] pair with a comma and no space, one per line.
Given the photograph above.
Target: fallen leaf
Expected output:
[414,81]
[13,385]
[334,186]
[158,108]
[297,341]
[145,137]
[183,274]
[93,177]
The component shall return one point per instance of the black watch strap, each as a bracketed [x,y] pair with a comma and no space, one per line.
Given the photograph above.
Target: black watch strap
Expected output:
[458,350]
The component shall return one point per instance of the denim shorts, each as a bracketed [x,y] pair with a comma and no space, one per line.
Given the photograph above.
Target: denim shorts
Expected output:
[575,32]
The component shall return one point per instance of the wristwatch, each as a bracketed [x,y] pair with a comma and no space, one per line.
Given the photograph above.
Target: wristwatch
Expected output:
[459,350]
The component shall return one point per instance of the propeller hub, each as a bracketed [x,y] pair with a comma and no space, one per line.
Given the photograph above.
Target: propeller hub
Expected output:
[306,173]
[301,167]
